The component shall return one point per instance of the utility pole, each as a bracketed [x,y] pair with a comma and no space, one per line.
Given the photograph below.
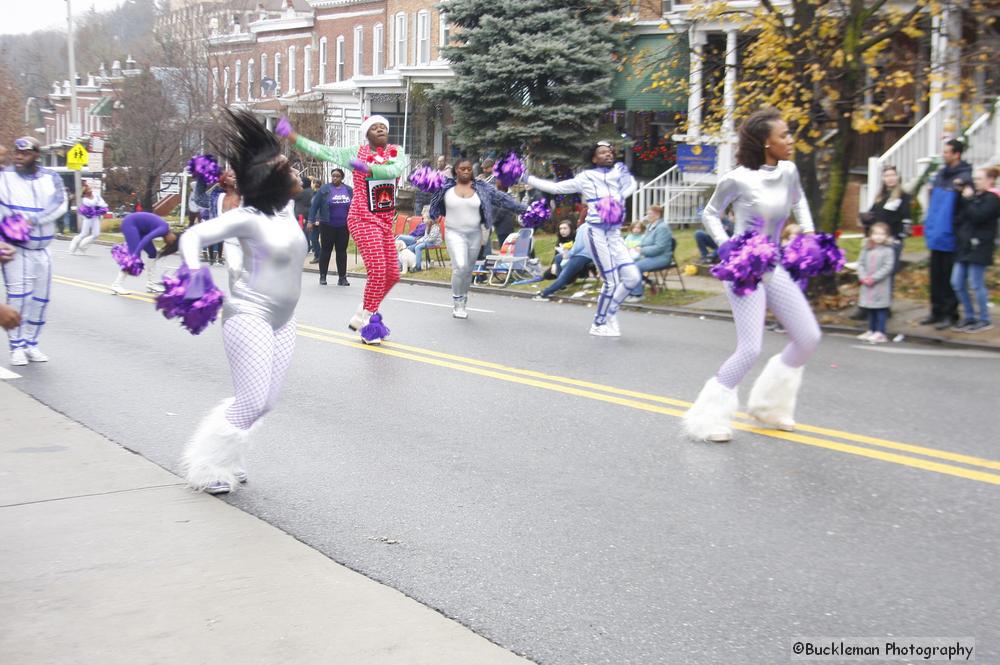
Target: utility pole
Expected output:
[74,112]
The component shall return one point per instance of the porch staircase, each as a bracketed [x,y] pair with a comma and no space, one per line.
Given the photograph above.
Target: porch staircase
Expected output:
[682,198]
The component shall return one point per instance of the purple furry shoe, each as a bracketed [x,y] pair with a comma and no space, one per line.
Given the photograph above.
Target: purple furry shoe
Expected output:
[375,331]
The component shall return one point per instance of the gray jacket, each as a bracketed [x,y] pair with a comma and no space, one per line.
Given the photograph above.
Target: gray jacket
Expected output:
[877,263]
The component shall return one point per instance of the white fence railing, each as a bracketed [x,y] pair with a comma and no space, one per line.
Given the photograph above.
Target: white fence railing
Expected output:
[983,138]
[922,141]
[681,200]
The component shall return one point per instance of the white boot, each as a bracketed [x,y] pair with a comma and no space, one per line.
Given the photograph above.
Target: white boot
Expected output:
[710,417]
[458,307]
[772,398]
[117,287]
[152,284]
[215,452]
[360,319]
[74,244]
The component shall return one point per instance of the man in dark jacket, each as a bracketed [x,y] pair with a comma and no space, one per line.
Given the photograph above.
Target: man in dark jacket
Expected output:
[302,202]
[939,233]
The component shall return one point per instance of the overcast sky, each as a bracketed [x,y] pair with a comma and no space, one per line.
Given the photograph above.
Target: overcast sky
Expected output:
[29,15]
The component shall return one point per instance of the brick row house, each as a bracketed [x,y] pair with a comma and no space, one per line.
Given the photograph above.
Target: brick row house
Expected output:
[329,63]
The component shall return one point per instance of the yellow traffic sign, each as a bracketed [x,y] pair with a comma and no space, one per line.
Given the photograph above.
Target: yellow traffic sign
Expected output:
[77,157]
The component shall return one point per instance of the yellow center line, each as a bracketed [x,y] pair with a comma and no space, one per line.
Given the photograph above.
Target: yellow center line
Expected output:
[636,399]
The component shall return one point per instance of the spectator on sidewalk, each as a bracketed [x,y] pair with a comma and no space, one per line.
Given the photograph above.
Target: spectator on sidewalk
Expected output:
[303,202]
[486,171]
[707,247]
[578,261]
[328,217]
[420,197]
[893,207]
[634,239]
[504,221]
[656,249]
[939,233]
[976,232]
[431,237]
[875,276]
[564,243]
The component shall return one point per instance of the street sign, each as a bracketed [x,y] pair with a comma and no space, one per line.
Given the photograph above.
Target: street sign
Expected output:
[696,158]
[77,157]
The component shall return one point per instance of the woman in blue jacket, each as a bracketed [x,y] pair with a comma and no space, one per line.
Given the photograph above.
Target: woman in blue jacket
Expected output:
[329,209]
[656,249]
[467,205]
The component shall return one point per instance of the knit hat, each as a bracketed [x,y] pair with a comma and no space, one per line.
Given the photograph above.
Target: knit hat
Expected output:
[369,121]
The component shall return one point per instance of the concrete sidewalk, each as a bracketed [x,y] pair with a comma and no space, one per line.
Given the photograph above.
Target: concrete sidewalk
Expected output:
[106,558]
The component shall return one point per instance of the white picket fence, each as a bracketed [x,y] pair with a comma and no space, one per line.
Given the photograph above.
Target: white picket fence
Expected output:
[983,138]
[682,200]
[909,154]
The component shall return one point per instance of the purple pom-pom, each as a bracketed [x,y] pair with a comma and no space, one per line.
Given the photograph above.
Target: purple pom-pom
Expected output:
[427,179]
[283,128]
[374,329]
[192,297]
[509,169]
[537,214]
[15,228]
[86,210]
[811,255]
[610,210]
[751,256]
[129,263]
[360,166]
[205,168]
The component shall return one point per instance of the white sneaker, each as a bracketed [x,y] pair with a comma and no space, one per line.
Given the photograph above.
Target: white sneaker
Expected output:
[538,297]
[119,290]
[218,487]
[878,338]
[633,299]
[603,330]
[458,309]
[155,288]
[865,336]
[241,475]
[35,355]
[18,357]
[612,323]
[721,435]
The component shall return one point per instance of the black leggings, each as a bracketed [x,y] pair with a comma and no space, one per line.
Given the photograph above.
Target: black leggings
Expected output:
[329,238]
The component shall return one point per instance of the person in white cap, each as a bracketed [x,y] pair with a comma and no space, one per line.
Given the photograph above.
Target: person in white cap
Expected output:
[376,166]
[38,196]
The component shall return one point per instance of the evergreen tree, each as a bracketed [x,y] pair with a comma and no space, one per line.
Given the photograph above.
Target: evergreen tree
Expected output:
[530,75]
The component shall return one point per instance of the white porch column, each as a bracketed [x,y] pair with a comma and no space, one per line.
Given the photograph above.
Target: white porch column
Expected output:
[726,153]
[696,39]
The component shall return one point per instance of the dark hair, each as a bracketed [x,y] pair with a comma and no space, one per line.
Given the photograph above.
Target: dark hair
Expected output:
[588,154]
[897,191]
[340,171]
[263,174]
[306,181]
[462,160]
[753,137]
[956,145]
[170,247]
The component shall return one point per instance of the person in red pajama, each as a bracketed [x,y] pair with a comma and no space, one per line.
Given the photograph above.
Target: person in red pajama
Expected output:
[376,165]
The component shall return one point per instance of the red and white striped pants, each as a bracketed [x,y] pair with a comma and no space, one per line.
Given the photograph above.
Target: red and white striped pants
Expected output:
[373,236]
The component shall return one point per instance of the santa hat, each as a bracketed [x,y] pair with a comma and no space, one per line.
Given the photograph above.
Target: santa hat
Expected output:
[372,120]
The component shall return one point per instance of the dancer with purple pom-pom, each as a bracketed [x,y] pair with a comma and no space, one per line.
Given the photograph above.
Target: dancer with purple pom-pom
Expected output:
[468,205]
[604,187]
[258,327]
[762,192]
[140,230]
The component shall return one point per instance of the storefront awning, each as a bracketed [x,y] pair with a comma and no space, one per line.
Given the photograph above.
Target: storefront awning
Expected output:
[103,108]
[632,88]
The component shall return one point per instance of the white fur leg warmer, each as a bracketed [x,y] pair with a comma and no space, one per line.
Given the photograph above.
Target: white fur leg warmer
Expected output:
[773,396]
[710,417]
[215,451]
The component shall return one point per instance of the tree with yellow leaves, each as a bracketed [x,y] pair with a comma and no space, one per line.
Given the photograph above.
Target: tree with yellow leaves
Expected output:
[837,69]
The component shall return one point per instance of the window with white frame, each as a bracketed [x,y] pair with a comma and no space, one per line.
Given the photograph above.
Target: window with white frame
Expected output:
[423,37]
[307,68]
[378,47]
[263,71]
[399,48]
[215,85]
[250,81]
[277,74]
[443,32]
[358,50]
[291,70]
[225,84]
[238,82]
[322,61]
[340,58]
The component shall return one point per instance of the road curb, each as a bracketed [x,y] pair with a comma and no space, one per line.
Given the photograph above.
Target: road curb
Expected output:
[718,315]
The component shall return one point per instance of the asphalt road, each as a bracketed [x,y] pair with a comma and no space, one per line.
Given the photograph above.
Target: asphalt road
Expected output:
[532,481]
